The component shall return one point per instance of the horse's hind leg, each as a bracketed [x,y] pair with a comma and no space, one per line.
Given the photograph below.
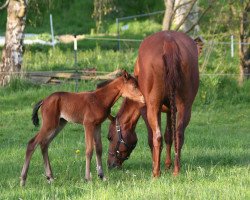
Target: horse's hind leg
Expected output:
[168,141]
[98,148]
[44,148]
[32,144]
[183,118]
[150,133]
[154,119]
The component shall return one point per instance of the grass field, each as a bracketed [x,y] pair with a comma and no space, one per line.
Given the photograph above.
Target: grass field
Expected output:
[215,158]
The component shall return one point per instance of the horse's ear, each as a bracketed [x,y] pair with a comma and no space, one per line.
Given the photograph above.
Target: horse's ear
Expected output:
[111,118]
[125,75]
[200,43]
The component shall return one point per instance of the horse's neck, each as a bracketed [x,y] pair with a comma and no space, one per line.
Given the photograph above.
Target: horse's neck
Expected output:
[129,117]
[109,94]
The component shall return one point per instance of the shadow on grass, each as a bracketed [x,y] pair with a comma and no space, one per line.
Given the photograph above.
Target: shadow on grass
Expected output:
[204,161]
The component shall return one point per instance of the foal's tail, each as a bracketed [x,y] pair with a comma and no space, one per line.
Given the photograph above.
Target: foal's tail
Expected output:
[35,118]
[172,61]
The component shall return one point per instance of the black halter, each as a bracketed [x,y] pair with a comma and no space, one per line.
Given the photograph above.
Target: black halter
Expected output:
[120,141]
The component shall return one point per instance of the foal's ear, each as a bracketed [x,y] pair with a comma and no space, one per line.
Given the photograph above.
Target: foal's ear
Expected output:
[111,118]
[125,75]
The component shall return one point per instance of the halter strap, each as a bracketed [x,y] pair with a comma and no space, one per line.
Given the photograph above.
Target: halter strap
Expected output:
[120,140]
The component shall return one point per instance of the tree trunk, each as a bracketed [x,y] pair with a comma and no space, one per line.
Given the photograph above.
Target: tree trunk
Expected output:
[180,14]
[169,12]
[13,48]
[244,49]
[186,15]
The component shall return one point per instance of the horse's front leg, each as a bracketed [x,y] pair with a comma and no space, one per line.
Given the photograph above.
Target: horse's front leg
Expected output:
[98,148]
[89,141]
[183,118]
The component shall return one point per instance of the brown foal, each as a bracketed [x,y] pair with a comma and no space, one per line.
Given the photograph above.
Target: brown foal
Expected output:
[87,108]
[168,77]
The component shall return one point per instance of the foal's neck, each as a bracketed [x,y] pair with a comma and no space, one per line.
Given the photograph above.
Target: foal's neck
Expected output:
[109,94]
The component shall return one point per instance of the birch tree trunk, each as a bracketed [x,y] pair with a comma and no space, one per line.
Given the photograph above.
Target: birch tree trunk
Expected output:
[186,15]
[244,49]
[180,15]
[13,48]
[169,13]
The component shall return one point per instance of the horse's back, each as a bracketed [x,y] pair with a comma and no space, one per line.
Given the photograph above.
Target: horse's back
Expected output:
[152,47]
[151,65]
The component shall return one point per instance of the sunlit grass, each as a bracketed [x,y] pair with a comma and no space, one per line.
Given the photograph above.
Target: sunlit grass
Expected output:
[215,156]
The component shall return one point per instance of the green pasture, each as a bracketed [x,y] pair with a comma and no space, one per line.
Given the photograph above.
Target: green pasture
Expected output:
[216,154]
[215,157]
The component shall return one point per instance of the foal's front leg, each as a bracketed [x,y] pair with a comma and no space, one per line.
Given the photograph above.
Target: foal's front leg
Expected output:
[98,148]
[89,141]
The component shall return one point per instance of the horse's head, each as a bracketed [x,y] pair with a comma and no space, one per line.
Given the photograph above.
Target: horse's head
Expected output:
[121,143]
[130,88]
[121,135]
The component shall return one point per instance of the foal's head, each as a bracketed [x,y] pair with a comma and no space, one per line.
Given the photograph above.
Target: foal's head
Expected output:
[130,89]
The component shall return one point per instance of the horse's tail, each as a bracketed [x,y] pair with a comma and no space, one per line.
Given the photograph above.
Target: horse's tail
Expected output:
[35,118]
[173,79]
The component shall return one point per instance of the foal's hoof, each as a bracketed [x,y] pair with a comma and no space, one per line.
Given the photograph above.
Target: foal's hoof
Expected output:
[88,178]
[167,166]
[103,178]
[50,180]
[22,183]
[176,173]
[156,174]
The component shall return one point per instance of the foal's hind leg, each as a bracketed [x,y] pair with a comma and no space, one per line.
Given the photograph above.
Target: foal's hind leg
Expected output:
[98,149]
[32,144]
[44,148]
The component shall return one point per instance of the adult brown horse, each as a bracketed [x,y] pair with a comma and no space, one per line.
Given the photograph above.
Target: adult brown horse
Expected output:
[87,108]
[168,77]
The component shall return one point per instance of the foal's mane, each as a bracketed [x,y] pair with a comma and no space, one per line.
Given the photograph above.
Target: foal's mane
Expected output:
[103,83]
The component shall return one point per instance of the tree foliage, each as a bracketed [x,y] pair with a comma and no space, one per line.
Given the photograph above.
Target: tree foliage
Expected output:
[102,8]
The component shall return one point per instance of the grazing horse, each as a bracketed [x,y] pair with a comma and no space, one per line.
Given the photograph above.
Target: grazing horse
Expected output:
[168,77]
[87,108]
